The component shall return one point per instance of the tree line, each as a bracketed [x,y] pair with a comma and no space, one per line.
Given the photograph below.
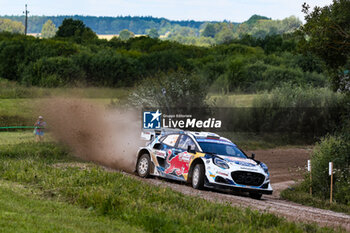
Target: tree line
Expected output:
[75,56]
[186,32]
[109,25]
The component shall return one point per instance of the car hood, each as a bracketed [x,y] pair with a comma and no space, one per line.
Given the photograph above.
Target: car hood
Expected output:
[239,161]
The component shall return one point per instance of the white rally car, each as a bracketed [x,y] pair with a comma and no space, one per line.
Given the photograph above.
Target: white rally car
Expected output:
[203,159]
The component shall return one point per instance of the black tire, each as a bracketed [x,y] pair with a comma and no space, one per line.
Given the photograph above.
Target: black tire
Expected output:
[198,176]
[255,195]
[143,166]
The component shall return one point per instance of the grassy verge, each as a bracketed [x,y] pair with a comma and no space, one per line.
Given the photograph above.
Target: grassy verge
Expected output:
[231,100]
[12,90]
[10,138]
[22,209]
[121,198]
[298,195]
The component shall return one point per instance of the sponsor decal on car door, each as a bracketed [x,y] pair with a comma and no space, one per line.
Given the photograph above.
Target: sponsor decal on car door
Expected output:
[178,163]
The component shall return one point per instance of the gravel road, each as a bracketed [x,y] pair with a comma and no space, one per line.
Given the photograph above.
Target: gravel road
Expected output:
[285,167]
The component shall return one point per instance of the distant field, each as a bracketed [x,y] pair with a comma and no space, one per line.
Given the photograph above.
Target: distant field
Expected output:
[24,106]
[110,36]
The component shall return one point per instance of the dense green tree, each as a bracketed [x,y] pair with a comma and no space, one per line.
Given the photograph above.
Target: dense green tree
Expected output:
[248,65]
[153,33]
[7,25]
[49,30]
[224,36]
[126,34]
[75,29]
[255,18]
[209,30]
[183,32]
[328,36]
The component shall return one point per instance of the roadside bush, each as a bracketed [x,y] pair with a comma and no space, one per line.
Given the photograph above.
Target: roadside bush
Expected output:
[298,114]
[304,111]
[11,55]
[165,61]
[334,149]
[53,72]
[108,68]
[117,63]
[182,90]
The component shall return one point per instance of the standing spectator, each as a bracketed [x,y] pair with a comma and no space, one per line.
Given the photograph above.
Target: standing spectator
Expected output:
[40,125]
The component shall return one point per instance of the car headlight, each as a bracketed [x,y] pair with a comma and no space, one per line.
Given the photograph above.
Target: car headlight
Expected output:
[263,166]
[220,163]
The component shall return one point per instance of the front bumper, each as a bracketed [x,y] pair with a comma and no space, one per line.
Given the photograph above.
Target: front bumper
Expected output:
[235,178]
[239,188]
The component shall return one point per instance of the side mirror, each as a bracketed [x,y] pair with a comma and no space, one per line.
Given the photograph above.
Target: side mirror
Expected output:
[252,156]
[157,146]
[190,150]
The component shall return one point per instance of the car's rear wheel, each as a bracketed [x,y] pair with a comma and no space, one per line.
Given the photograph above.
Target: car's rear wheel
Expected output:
[143,165]
[198,176]
[255,195]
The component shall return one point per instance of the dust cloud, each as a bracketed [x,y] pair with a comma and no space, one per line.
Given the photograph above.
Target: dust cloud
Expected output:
[94,133]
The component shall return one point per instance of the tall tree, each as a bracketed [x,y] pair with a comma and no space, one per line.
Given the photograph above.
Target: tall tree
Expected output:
[49,29]
[153,33]
[75,29]
[209,30]
[327,34]
[126,34]
[11,26]
[226,35]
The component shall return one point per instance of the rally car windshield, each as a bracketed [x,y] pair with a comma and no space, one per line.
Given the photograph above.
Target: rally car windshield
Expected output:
[221,149]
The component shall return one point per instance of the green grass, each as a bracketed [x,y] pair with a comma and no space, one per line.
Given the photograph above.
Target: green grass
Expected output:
[299,195]
[22,209]
[17,107]
[12,90]
[119,197]
[9,138]
[231,100]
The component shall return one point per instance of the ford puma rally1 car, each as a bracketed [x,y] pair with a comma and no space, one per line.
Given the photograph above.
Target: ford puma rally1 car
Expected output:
[203,159]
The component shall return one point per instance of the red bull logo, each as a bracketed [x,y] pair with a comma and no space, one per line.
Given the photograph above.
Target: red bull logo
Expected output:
[179,164]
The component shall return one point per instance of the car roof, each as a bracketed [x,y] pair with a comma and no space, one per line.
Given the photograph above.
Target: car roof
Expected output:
[210,137]
[197,135]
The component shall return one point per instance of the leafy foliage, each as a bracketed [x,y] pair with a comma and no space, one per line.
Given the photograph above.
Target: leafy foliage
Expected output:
[126,34]
[327,32]
[76,29]
[247,65]
[175,90]
[153,33]
[7,25]
[49,30]
[109,25]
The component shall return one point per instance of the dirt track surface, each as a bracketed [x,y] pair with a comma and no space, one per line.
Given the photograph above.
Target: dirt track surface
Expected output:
[283,172]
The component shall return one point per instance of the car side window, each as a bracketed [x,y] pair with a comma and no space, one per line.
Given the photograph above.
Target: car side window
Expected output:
[170,140]
[186,141]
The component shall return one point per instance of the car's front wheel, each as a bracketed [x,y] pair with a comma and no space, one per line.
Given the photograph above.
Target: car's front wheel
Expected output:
[143,165]
[198,176]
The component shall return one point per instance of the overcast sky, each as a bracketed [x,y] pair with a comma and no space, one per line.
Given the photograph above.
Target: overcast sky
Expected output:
[232,10]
